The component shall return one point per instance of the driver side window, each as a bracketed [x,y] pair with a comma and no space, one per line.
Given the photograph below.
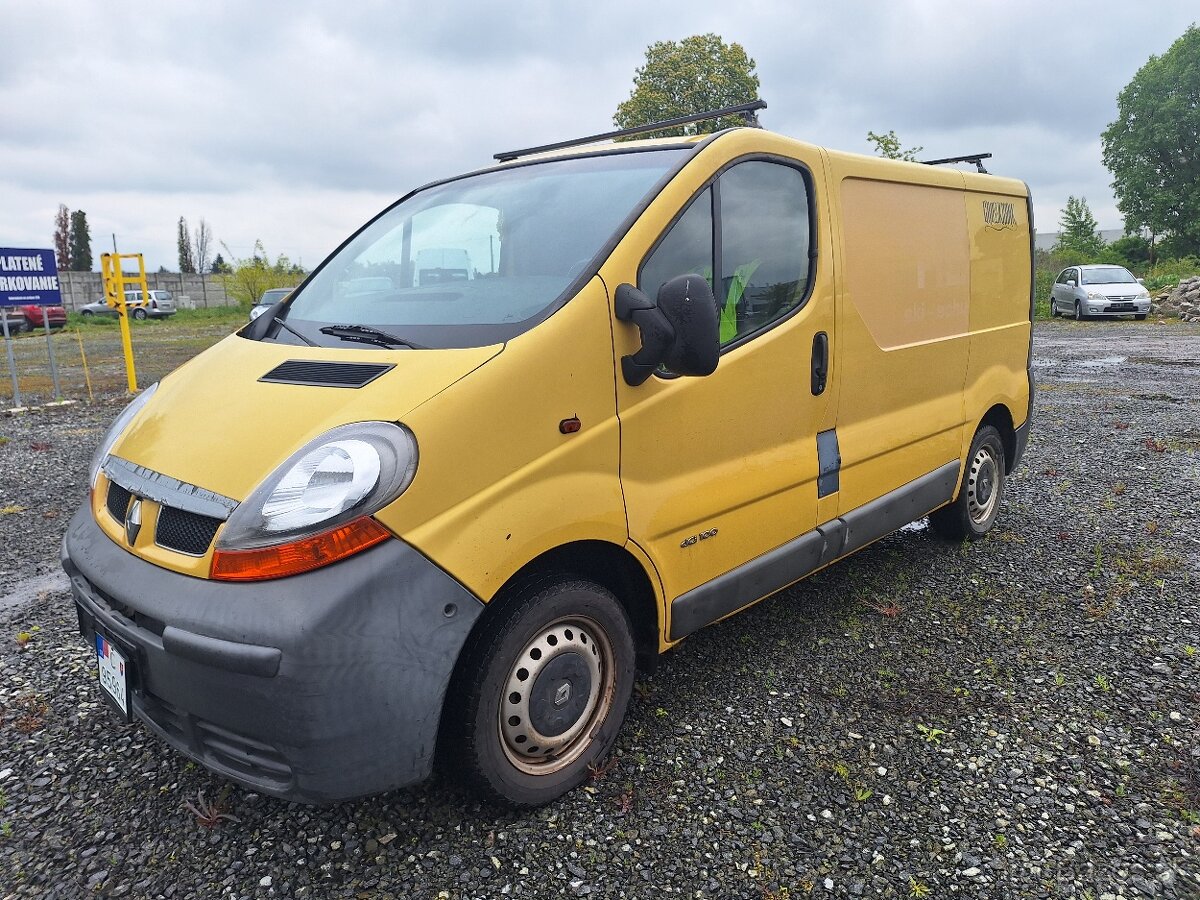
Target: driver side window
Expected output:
[748,235]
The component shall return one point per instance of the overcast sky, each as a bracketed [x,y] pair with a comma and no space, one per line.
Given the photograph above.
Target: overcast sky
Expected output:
[293,123]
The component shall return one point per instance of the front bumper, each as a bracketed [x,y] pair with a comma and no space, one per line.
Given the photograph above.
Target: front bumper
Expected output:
[1118,307]
[319,687]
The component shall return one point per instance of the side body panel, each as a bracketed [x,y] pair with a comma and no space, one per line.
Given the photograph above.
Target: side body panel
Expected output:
[498,484]
[999,230]
[721,469]
[903,322]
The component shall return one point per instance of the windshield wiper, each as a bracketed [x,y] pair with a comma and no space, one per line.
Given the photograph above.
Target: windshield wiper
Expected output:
[368,335]
[283,324]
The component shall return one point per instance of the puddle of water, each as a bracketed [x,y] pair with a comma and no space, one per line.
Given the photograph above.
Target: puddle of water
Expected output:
[919,525]
[25,592]
[1104,362]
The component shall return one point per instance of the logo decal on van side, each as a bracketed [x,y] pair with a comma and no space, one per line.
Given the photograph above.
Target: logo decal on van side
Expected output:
[695,538]
[999,215]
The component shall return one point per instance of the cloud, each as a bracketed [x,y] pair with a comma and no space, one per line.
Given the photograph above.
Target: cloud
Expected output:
[293,123]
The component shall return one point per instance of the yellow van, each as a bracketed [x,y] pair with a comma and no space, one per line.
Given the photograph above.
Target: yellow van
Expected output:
[401,515]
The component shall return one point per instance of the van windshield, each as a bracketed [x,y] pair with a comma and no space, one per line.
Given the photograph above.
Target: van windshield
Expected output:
[480,259]
[1108,275]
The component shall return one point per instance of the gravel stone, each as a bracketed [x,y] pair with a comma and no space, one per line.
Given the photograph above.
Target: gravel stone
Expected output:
[1023,727]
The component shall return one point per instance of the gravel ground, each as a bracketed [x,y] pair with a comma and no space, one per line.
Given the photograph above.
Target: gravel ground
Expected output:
[1013,718]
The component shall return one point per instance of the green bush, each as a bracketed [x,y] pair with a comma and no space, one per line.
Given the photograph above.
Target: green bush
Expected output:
[1169,272]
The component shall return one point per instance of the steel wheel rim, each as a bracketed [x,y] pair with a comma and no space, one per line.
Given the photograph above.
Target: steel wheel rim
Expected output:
[528,749]
[983,485]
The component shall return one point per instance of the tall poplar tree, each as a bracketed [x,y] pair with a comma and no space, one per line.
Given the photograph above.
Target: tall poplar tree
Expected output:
[62,238]
[80,241]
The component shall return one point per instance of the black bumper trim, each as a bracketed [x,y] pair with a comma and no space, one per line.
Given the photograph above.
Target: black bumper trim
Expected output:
[316,688]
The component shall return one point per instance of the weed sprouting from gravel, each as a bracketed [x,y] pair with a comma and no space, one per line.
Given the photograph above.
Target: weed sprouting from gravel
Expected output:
[210,815]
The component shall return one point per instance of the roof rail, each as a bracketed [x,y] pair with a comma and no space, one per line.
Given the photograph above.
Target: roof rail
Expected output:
[745,110]
[976,158]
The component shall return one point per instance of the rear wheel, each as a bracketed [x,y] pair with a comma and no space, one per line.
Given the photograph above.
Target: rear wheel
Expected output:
[971,516]
[139,313]
[541,692]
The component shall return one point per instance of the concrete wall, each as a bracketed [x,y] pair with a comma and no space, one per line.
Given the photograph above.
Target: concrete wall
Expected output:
[189,291]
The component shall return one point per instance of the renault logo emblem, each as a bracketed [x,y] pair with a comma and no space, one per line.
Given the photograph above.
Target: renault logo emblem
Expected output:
[133,520]
[563,694]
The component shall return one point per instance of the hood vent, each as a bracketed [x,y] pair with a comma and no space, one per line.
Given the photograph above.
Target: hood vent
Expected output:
[326,374]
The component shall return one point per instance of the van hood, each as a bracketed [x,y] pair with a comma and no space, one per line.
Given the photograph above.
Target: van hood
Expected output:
[215,424]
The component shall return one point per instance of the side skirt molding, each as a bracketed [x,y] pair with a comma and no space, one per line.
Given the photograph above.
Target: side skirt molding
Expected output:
[801,556]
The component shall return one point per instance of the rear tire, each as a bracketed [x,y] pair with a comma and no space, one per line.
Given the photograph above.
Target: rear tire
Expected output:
[139,313]
[973,513]
[540,694]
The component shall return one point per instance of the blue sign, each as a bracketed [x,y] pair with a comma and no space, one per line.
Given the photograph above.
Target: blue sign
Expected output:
[28,277]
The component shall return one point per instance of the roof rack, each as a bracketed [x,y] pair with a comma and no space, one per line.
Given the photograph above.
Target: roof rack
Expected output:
[976,158]
[745,110]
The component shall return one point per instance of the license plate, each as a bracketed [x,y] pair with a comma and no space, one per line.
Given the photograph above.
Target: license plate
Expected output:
[1123,306]
[114,674]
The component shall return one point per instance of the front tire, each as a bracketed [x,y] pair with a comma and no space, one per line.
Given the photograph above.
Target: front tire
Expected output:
[1053,308]
[1080,315]
[1141,317]
[541,692]
[973,513]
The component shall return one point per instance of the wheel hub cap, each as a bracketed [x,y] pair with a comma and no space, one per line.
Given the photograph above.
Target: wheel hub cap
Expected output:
[559,687]
[981,485]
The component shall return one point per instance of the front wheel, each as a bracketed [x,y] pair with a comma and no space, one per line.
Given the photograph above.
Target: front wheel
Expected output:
[1053,309]
[972,515]
[1080,315]
[1141,317]
[86,312]
[541,692]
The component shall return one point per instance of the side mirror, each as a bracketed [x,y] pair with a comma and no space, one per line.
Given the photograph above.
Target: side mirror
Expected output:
[1071,282]
[680,331]
[1141,281]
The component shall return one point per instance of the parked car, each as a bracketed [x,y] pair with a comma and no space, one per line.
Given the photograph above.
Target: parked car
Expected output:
[29,317]
[281,586]
[267,300]
[159,306]
[1086,291]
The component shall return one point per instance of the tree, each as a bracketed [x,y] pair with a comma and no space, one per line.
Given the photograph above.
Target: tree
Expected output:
[245,280]
[1079,237]
[62,238]
[219,266]
[202,244]
[187,265]
[888,145]
[80,243]
[681,78]
[1152,148]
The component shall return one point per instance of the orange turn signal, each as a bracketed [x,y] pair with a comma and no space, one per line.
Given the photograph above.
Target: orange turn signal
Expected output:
[298,556]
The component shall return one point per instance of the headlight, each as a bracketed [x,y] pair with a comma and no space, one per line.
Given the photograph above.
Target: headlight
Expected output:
[116,429]
[316,507]
[1096,295]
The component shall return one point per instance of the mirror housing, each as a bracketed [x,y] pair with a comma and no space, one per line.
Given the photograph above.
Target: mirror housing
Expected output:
[680,331]
[1071,282]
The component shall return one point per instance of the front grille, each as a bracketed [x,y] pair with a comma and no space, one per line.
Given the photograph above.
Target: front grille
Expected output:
[326,374]
[118,501]
[185,532]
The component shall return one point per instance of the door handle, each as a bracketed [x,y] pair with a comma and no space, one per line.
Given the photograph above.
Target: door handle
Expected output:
[820,362]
